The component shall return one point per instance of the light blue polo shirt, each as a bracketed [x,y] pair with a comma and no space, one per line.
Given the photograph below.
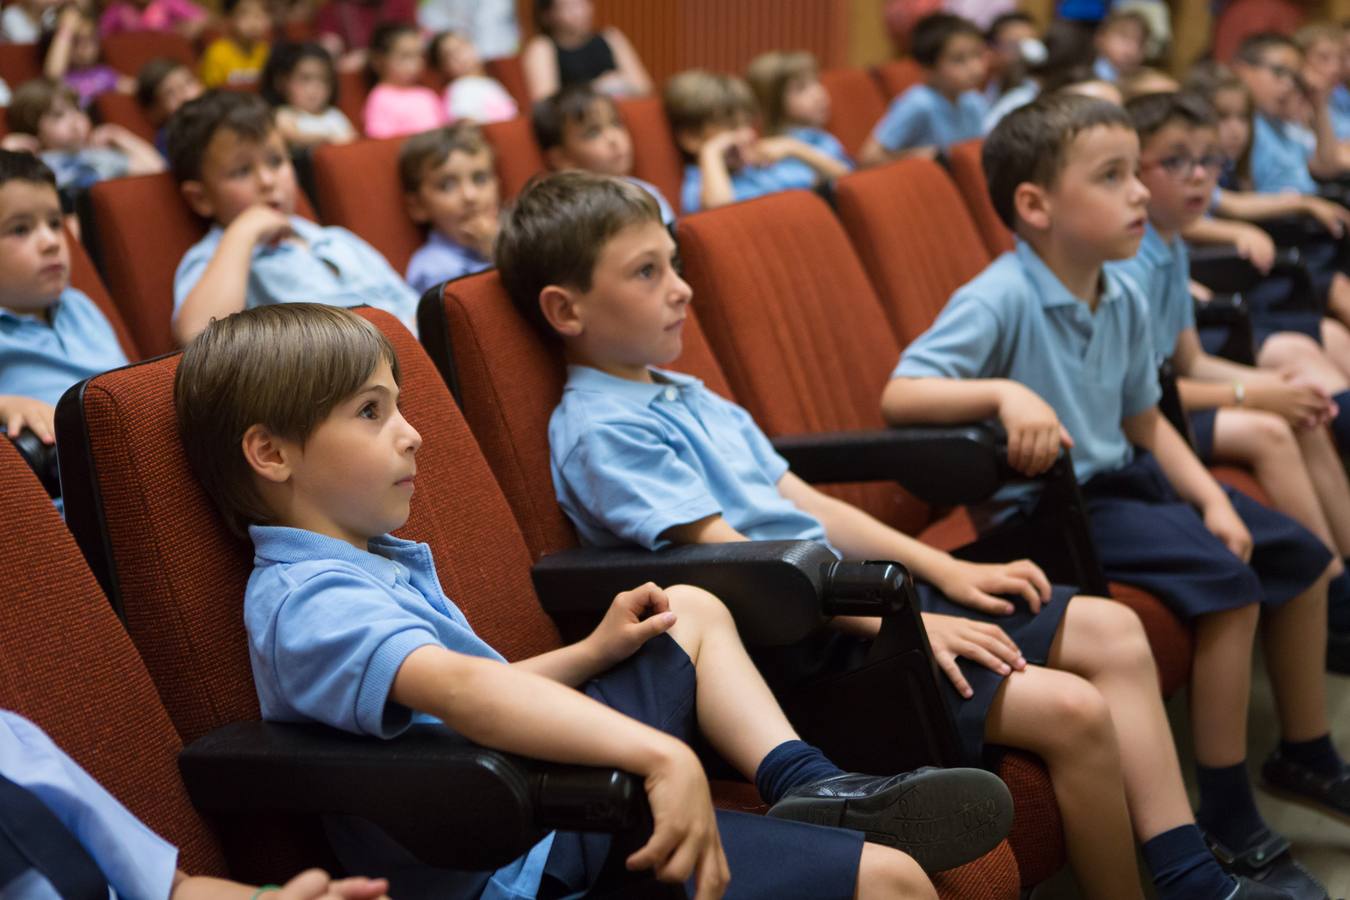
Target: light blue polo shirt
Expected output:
[749,182]
[922,117]
[1161,271]
[43,358]
[1339,108]
[1280,157]
[441,259]
[1017,320]
[332,266]
[328,627]
[631,460]
[137,863]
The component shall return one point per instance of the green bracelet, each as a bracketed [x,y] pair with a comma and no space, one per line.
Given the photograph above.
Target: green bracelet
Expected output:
[265,889]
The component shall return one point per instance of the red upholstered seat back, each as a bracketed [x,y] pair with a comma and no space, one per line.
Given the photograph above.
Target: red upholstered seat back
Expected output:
[509,71]
[128,51]
[144,227]
[358,188]
[510,379]
[796,326]
[856,105]
[656,158]
[898,76]
[122,109]
[352,88]
[915,239]
[518,155]
[968,172]
[20,63]
[68,665]
[84,277]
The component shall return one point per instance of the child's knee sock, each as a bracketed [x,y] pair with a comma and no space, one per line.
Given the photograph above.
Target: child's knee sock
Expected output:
[1183,868]
[1319,754]
[789,765]
[1227,808]
[1338,601]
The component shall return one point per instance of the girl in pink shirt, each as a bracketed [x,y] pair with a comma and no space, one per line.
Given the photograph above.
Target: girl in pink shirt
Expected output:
[399,104]
[181,16]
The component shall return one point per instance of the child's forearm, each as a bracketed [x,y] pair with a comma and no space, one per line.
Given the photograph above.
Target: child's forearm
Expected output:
[941,401]
[142,157]
[716,190]
[825,165]
[1327,160]
[508,708]
[1209,230]
[1246,205]
[570,665]
[1198,395]
[220,291]
[1188,477]
[57,61]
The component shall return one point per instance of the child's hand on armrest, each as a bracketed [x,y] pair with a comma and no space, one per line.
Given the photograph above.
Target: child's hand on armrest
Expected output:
[634,618]
[312,884]
[975,584]
[1034,432]
[18,413]
[1332,216]
[952,637]
[1255,246]
[684,834]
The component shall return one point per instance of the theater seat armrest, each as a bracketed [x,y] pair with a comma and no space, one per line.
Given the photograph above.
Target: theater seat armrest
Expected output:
[942,465]
[41,458]
[777,591]
[1224,271]
[1222,309]
[1295,230]
[449,802]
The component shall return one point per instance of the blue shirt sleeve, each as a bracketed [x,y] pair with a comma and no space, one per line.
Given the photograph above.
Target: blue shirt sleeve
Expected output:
[1141,389]
[138,864]
[190,269]
[766,457]
[691,191]
[630,480]
[962,343]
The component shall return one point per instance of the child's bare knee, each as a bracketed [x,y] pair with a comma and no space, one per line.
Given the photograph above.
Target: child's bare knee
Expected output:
[1115,634]
[1080,712]
[691,602]
[1273,435]
[886,872]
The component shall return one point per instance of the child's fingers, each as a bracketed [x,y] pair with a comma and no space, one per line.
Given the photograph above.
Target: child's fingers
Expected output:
[978,653]
[1027,569]
[359,888]
[1020,585]
[986,603]
[657,624]
[652,853]
[947,662]
[1065,439]
[680,865]
[713,873]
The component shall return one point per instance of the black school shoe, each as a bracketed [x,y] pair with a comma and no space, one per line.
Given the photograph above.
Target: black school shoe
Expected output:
[1251,890]
[1327,794]
[943,818]
[1267,863]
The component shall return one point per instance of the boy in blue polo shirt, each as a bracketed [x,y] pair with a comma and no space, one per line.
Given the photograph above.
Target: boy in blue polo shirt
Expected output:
[51,335]
[641,455]
[289,416]
[233,168]
[1271,422]
[1063,354]
[948,107]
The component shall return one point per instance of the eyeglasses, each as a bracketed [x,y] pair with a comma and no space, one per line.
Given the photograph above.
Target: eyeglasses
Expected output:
[1181,165]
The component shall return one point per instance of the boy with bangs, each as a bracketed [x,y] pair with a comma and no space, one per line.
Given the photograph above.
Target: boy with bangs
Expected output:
[580,128]
[1061,351]
[234,169]
[1272,422]
[948,107]
[1120,40]
[644,456]
[726,161]
[290,418]
[450,186]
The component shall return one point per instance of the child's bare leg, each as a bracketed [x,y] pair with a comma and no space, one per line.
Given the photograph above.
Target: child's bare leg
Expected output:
[1104,642]
[1329,369]
[1065,721]
[884,873]
[739,715]
[1333,490]
[1266,443]
[1221,681]
[1295,639]
[1338,298]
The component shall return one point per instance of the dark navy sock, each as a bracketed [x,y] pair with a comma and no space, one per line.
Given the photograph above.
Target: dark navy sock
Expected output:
[1227,809]
[1183,868]
[1338,602]
[1319,754]
[1340,426]
[789,765]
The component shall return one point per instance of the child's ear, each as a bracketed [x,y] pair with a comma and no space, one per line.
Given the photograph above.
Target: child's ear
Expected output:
[417,210]
[265,454]
[559,305]
[1032,205]
[194,192]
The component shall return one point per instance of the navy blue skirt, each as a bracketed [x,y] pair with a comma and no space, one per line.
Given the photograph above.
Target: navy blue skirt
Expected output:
[768,858]
[1033,634]
[1202,433]
[1149,537]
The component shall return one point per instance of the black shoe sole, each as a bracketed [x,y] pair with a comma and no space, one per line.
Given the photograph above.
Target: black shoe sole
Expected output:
[943,819]
[1310,803]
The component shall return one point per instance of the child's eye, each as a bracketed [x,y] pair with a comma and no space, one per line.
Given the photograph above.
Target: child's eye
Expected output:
[370,410]
[19,230]
[481,178]
[647,271]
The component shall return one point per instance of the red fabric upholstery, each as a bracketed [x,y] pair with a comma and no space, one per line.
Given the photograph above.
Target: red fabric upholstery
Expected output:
[968,173]
[127,51]
[1240,19]
[510,380]
[856,105]
[20,63]
[68,666]
[509,71]
[352,88]
[655,156]
[144,227]
[914,261]
[376,211]
[84,277]
[898,76]
[122,109]
[518,156]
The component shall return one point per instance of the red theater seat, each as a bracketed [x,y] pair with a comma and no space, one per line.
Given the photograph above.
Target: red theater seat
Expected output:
[856,105]
[898,76]
[655,157]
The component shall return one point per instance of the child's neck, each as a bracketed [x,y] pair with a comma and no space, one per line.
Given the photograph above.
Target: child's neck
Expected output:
[945,89]
[1080,275]
[575,357]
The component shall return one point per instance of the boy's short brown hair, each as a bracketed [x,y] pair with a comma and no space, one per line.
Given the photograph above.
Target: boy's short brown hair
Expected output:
[423,152]
[931,34]
[570,106]
[1154,112]
[1031,144]
[196,122]
[33,100]
[696,97]
[556,230]
[769,75]
[284,367]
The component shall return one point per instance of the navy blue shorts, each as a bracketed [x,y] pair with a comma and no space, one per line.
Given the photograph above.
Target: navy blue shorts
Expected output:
[1033,634]
[768,858]
[1202,430]
[1149,537]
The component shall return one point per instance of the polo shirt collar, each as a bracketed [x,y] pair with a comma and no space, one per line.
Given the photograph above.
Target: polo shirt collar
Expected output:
[1153,249]
[587,378]
[1050,291]
[281,544]
[437,239]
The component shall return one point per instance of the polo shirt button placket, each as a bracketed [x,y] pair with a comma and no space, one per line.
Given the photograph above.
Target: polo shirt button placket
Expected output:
[671,394]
